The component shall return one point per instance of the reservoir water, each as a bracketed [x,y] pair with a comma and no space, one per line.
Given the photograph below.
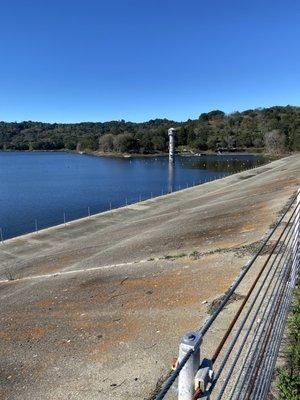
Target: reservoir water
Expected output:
[42,189]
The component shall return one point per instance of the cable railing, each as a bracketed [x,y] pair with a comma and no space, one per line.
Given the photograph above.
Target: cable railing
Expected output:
[242,363]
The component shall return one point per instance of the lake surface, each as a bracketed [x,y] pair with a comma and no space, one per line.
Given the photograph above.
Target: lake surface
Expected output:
[42,189]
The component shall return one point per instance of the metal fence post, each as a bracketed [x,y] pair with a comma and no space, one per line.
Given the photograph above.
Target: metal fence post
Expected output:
[1,235]
[36,226]
[186,380]
[89,212]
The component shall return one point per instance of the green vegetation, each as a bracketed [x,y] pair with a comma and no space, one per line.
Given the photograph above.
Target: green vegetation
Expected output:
[173,257]
[275,129]
[289,376]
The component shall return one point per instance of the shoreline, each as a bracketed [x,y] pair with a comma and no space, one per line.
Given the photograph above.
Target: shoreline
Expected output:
[185,153]
[97,153]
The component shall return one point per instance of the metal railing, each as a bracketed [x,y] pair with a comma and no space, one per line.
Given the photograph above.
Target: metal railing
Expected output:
[242,364]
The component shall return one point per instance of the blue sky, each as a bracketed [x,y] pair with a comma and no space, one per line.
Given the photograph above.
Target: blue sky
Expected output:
[95,60]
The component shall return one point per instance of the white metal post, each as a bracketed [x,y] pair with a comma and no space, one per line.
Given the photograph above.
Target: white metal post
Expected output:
[186,380]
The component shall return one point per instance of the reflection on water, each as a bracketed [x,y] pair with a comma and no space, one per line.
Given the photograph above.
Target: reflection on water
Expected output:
[221,163]
[171,177]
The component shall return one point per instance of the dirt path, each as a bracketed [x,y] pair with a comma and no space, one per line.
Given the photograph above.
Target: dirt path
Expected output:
[96,309]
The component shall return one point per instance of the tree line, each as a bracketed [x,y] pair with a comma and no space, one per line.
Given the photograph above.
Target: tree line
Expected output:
[272,128]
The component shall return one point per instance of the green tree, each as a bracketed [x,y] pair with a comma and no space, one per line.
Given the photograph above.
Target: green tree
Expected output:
[275,142]
[125,143]
[106,142]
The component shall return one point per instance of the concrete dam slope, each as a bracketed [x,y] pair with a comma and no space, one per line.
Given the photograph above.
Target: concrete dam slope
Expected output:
[96,309]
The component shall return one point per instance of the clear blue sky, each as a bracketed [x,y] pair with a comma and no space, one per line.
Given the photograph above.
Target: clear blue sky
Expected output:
[96,60]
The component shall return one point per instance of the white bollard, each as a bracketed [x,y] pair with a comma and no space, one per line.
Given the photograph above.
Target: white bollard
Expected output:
[186,380]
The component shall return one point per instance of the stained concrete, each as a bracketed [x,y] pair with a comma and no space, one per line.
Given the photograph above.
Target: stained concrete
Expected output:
[95,310]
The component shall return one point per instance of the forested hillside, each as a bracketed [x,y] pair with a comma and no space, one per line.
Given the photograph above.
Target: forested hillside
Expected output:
[275,127]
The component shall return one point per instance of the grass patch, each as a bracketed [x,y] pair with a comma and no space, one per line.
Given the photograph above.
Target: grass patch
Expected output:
[159,385]
[174,256]
[289,375]
[254,247]
[283,210]
[195,255]
[9,276]
[246,177]
[215,304]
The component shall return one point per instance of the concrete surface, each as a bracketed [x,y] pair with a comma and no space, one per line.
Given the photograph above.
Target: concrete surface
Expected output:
[95,310]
